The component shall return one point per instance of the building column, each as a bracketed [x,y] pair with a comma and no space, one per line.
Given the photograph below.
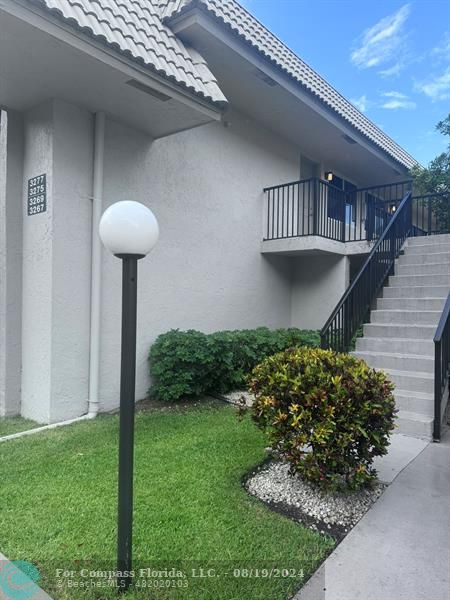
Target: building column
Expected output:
[58,140]
[11,166]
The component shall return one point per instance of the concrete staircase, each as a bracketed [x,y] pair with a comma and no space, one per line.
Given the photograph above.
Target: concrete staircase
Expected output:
[399,338]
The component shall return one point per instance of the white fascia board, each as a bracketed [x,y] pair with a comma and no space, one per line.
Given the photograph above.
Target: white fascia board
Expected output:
[196,16]
[46,22]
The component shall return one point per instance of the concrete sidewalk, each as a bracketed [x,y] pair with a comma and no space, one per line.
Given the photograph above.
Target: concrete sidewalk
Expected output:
[400,550]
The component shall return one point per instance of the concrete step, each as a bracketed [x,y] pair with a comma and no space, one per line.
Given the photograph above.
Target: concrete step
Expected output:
[442,268]
[398,361]
[409,317]
[415,425]
[424,291]
[415,332]
[411,304]
[443,238]
[420,280]
[421,404]
[424,259]
[399,338]
[417,347]
[417,381]
[427,248]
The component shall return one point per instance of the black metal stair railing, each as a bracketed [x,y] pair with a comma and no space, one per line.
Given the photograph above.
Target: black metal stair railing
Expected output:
[352,310]
[441,369]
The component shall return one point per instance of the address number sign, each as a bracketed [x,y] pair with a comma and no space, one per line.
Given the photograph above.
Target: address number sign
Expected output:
[37,195]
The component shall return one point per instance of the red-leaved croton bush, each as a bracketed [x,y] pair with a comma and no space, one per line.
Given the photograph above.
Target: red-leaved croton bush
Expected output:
[329,414]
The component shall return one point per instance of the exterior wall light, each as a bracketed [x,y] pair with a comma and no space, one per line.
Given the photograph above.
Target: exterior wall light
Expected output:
[329,176]
[130,231]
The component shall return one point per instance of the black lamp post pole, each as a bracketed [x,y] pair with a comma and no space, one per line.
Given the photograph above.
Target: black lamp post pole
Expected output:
[127,408]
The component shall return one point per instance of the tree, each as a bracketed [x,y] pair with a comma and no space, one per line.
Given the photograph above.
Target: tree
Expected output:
[435,179]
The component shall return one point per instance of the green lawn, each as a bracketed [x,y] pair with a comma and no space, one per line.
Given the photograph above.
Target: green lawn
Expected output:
[11,425]
[58,506]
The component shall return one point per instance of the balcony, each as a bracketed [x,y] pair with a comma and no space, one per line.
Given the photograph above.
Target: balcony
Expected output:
[314,216]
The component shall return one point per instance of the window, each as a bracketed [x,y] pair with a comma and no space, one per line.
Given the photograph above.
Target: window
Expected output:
[335,199]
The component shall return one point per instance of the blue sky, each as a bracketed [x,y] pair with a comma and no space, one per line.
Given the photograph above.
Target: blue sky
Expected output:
[390,58]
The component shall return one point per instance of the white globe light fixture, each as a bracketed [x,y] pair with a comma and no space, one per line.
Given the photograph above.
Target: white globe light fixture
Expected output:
[129,228]
[130,231]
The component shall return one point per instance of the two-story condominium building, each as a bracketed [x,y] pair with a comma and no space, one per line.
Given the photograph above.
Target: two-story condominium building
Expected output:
[195,109]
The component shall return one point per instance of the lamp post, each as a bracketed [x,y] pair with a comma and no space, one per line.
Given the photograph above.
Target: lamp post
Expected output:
[129,230]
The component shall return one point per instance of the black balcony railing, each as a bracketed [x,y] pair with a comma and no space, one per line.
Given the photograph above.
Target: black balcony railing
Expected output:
[315,207]
[300,209]
[372,209]
[354,307]
[441,369]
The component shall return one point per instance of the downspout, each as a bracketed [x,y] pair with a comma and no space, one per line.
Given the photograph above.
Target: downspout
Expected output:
[96,274]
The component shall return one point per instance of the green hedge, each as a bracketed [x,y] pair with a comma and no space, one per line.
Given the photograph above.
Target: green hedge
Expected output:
[191,363]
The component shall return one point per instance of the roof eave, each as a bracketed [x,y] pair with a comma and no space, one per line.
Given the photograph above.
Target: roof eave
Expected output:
[35,13]
[198,10]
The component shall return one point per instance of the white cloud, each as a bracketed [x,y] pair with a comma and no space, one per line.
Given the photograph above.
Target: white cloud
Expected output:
[361,103]
[397,95]
[442,51]
[396,104]
[382,41]
[437,88]
[396,100]
[396,69]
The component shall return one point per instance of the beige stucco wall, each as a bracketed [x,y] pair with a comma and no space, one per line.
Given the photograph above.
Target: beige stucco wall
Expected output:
[207,272]
[318,282]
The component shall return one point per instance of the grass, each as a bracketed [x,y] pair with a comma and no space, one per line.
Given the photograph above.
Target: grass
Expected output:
[10,425]
[58,497]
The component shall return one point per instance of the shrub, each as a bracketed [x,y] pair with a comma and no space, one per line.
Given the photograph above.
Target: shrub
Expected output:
[191,363]
[180,363]
[329,414]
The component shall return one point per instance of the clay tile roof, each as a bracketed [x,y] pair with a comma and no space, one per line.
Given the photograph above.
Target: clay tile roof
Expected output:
[134,28]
